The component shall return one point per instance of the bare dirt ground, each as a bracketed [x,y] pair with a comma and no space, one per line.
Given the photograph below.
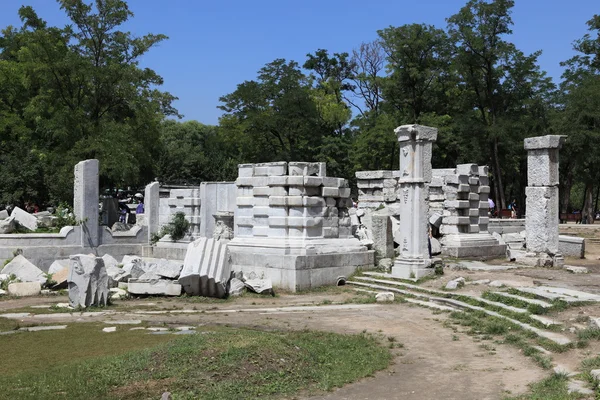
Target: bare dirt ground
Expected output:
[433,363]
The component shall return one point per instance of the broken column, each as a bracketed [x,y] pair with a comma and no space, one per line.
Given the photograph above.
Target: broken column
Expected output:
[85,201]
[415,175]
[542,218]
[88,281]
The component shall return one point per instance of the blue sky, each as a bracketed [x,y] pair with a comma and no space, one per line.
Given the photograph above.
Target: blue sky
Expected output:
[215,45]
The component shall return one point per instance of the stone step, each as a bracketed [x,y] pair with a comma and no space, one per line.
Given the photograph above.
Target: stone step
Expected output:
[547,322]
[547,295]
[439,292]
[428,304]
[555,337]
[536,302]
[479,266]
[386,275]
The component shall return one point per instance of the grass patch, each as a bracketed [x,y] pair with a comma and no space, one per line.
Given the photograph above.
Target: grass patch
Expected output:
[223,363]
[589,333]
[551,388]
[532,308]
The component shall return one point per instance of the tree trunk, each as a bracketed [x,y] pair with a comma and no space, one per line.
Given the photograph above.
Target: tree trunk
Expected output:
[498,175]
[588,204]
[565,193]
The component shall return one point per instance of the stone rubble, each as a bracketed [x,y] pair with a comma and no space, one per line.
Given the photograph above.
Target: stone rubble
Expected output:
[456,283]
[236,287]
[7,225]
[88,281]
[22,289]
[24,219]
[24,270]
[384,297]
[259,286]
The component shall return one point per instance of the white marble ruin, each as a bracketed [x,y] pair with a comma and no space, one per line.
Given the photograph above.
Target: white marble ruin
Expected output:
[206,268]
[85,201]
[88,281]
[292,225]
[542,217]
[415,175]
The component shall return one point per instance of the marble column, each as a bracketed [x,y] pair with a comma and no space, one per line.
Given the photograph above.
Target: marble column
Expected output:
[415,175]
[542,218]
[86,194]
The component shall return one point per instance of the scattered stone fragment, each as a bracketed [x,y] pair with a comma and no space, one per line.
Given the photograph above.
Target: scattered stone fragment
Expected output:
[60,277]
[109,329]
[23,289]
[576,270]
[595,373]
[3,214]
[63,305]
[259,285]
[116,275]
[496,284]
[579,387]
[384,297]
[24,219]
[130,259]
[88,281]
[236,287]
[24,270]
[117,293]
[58,265]
[436,247]
[109,261]
[138,328]
[154,287]
[167,269]
[43,328]
[562,370]
[124,322]
[456,283]
[166,396]
[7,225]
[594,322]
[185,328]
[386,264]
[156,329]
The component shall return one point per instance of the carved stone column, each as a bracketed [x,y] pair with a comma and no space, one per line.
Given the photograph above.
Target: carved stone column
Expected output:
[415,175]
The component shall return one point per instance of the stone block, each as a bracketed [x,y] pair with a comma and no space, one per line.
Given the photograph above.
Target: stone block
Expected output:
[571,246]
[24,219]
[330,192]
[245,170]
[541,222]
[459,204]
[7,225]
[3,214]
[544,142]
[57,265]
[24,270]
[279,168]
[381,233]
[436,219]
[455,220]
[278,181]
[153,287]
[307,168]
[542,167]
[373,174]
[483,189]
[473,181]
[467,169]
[22,289]
[88,281]
[296,180]
[313,181]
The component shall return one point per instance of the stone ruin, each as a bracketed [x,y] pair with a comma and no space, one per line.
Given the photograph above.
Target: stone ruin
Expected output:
[292,225]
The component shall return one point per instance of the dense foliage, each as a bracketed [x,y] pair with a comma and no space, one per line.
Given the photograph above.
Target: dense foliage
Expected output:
[77,92]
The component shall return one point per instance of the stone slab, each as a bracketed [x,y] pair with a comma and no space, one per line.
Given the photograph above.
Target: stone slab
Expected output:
[22,289]
[24,270]
[154,287]
[24,219]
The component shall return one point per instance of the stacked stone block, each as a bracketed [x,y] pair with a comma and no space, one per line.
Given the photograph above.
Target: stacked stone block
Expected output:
[291,200]
[460,196]
[181,200]
[377,187]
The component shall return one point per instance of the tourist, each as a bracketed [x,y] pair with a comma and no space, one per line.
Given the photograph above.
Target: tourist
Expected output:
[492,205]
[513,208]
[140,199]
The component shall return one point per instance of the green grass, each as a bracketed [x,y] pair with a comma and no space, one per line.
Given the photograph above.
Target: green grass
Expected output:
[532,308]
[222,363]
[551,388]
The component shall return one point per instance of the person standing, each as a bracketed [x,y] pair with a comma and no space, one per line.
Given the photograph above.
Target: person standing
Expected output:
[513,208]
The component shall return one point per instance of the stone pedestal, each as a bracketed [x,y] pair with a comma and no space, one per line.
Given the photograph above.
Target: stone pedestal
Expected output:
[85,201]
[415,176]
[542,218]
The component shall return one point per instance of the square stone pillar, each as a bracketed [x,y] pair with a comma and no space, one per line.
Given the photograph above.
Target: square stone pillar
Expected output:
[151,208]
[542,218]
[86,201]
[415,175]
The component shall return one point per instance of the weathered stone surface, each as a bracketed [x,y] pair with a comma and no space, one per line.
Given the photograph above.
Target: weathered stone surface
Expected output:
[24,219]
[381,232]
[109,329]
[385,297]
[7,225]
[496,284]
[436,247]
[24,289]
[24,270]
[385,264]
[571,246]
[542,219]
[59,265]
[60,277]
[481,282]
[259,285]
[206,268]
[109,261]
[168,269]
[116,275]
[236,287]
[456,283]
[130,259]
[544,142]
[3,214]
[117,293]
[576,270]
[88,281]
[154,287]
[85,200]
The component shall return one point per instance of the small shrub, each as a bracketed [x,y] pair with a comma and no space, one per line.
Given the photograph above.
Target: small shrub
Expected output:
[177,229]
